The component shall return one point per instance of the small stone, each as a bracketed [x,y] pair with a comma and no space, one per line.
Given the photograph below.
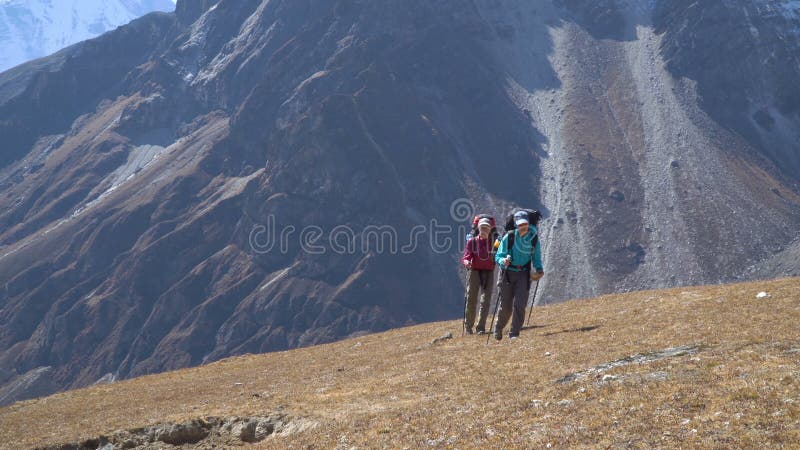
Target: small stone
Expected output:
[434,442]
[548,354]
[763,295]
[607,378]
[245,431]
[442,338]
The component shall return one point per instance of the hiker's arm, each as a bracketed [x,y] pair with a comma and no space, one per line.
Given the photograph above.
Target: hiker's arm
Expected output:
[502,251]
[466,260]
[537,256]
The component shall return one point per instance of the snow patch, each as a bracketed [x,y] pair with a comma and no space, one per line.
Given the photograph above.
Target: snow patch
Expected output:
[791,9]
[139,159]
[30,29]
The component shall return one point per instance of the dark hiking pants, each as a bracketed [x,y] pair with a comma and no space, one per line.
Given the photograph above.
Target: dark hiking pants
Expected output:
[479,282]
[513,300]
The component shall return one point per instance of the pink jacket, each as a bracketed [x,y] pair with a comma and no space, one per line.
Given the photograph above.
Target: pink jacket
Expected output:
[478,252]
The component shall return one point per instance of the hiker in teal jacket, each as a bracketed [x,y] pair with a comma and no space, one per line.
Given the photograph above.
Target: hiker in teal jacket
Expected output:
[526,255]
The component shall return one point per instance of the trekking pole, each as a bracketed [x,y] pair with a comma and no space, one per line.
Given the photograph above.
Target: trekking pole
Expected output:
[533,303]
[496,305]
[466,295]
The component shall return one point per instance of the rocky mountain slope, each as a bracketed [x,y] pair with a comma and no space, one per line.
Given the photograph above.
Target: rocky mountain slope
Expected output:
[31,29]
[698,367]
[142,172]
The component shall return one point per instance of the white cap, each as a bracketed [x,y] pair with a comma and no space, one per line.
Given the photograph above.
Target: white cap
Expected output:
[485,222]
[521,217]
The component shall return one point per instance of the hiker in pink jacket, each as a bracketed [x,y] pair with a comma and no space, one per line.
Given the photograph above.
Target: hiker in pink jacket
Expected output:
[479,260]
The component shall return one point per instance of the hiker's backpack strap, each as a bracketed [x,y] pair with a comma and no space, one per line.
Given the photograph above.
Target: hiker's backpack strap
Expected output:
[509,248]
[534,243]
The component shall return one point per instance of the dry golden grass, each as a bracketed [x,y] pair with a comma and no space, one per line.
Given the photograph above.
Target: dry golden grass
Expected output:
[395,390]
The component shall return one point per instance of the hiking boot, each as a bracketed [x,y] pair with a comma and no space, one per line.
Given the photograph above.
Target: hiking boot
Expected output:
[468,330]
[498,337]
[480,331]
[513,337]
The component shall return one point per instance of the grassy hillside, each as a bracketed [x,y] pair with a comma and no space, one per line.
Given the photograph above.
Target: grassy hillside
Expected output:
[693,367]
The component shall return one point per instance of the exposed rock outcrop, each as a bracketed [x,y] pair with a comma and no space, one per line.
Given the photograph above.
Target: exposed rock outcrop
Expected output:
[199,433]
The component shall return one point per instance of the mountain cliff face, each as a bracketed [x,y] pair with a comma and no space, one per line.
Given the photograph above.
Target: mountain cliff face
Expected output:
[31,29]
[143,172]
[659,171]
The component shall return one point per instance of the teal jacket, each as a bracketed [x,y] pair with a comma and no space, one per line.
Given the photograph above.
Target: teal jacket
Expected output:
[522,251]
